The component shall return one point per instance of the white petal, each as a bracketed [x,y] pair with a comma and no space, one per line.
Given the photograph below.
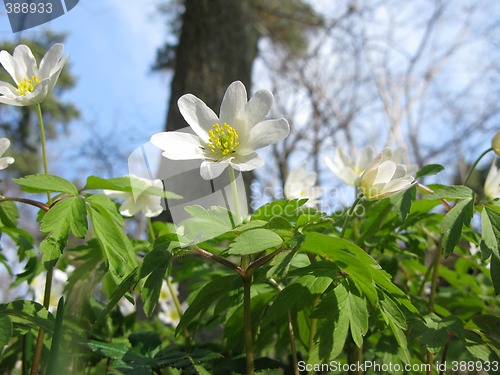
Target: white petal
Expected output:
[9,64]
[385,172]
[39,93]
[7,90]
[4,162]
[364,159]
[178,146]
[25,63]
[257,108]
[210,170]
[50,62]
[248,162]
[197,115]
[129,207]
[233,102]
[266,133]
[117,194]
[4,145]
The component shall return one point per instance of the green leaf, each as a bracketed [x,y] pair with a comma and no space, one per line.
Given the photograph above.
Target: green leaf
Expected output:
[5,330]
[396,320]
[41,183]
[8,214]
[104,204]
[29,312]
[206,223]
[402,202]
[154,267]
[210,293]
[115,245]
[53,367]
[51,249]
[254,241]
[124,287]
[495,273]
[429,170]
[490,224]
[450,192]
[288,209]
[67,214]
[453,222]
[434,331]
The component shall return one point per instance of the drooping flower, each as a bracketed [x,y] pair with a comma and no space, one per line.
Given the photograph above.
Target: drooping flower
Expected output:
[228,139]
[495,143]
[347,170]
[6,160]
[301,184]
[33,83]
[386,176]
[492,183]
[142,198]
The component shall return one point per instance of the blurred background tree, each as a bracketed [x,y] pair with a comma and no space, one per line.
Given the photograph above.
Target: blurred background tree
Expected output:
[20,124]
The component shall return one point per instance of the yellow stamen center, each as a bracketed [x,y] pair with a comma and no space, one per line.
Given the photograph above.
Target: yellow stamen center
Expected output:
[27,85]
[222,140]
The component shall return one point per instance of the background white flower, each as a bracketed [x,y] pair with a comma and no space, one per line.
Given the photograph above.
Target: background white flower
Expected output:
[347,170]
[386,176]
[301,184]
[168,313]
[492,183]
[59,281]
[33,83]
[147,202]
[231,138]
[6,160]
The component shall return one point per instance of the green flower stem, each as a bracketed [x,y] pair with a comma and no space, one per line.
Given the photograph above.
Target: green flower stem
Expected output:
[48,280]
[349,214]
[151,231]
[234,190]
[247,317]
[475,164]
[41,331]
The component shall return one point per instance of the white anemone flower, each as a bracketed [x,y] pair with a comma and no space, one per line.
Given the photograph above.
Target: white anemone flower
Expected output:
[228,139]
[492,183]
[346,169]
[301,184]
[386,176]
[6,160]
[33,83]
[141,199]
[167,311]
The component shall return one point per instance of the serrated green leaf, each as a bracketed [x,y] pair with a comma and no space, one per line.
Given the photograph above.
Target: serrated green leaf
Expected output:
[8,214]
[402,202]
[209,294]
[453,222]
[67,214]
[41,183]
[254,241]
[429,170]
[490,234]
[115,245]
[5,330]
[433,331]
[103,203]
[154,267]
[30,313]
[495,273]
[51,249]
[124,287]
[282,208]
[450,192]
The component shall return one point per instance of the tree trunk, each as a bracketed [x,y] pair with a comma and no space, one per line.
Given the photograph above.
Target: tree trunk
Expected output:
[218,44]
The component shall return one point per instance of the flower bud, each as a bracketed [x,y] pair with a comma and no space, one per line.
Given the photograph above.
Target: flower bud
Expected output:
[495,143]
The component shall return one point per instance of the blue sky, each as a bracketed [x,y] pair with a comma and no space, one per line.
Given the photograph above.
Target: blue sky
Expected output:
[111,46]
